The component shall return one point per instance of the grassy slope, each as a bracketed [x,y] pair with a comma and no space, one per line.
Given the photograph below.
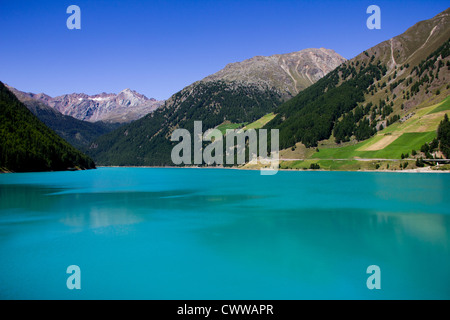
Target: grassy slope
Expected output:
[260,122]
[245,126]
[403,144]
[229,126]
[443,106]
[254,125]
[410,135]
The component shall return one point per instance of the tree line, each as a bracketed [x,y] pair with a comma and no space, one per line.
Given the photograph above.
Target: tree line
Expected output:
[26,144]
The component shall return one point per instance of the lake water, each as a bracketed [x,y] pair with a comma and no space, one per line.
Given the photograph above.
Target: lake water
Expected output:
[151,233]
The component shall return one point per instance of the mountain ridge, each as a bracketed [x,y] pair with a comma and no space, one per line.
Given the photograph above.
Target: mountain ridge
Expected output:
[77,132]
[223,97]
[125,106]
[372,90]
[290,73]
[26,144]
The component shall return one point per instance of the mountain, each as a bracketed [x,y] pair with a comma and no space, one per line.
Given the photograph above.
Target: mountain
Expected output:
[126,106]
[423,134]
[78,133]
[375,89]
[240,93]
[26,144]
[289,73]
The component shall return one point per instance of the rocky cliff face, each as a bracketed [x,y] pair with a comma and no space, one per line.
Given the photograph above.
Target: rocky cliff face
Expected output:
[288,73]
[126,106]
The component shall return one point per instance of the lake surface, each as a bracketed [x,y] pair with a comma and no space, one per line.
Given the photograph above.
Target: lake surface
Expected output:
[152,233]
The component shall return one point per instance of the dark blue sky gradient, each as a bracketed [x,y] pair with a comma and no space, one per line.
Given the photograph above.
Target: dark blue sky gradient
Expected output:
[159,47]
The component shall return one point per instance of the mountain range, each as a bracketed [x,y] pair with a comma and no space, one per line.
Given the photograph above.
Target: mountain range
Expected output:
[394,91]
[240,93]
[77,132]
[353,102]
[364,94]
[27,144]
[126,106]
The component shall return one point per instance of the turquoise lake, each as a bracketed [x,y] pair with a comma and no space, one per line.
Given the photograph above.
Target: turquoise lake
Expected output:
[157,233]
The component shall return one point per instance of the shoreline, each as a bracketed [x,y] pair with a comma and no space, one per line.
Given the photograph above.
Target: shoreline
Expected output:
[416,170]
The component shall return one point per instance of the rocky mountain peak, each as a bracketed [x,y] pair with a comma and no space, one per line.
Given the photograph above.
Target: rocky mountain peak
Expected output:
[126,106]
[289,73]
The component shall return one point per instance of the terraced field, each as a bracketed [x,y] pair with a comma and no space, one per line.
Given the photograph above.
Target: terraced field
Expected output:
[400,137]
[385,148]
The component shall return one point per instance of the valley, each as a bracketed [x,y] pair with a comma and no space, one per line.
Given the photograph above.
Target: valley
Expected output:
[331,113]
[325,127]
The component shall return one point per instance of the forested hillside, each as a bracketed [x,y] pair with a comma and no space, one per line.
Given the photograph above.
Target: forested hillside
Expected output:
[147,140]
[443,136]
[26,144]
[371,91]
[311,115]
[78,133]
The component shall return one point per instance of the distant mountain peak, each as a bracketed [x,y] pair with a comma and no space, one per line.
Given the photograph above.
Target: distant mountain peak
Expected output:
[128,91]
[132,95]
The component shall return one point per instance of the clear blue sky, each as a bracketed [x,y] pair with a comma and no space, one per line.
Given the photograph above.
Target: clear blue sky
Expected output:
[159,47]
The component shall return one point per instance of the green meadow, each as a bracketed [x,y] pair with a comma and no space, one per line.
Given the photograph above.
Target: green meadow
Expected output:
[261,122]
[389,144]
[229,126]
[403,144]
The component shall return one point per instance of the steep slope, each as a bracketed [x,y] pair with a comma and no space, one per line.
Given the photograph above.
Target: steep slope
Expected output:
[26,144]
[229,96]
[422,135]
[373,90]
[147,141]
[78,133]
[126,106]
